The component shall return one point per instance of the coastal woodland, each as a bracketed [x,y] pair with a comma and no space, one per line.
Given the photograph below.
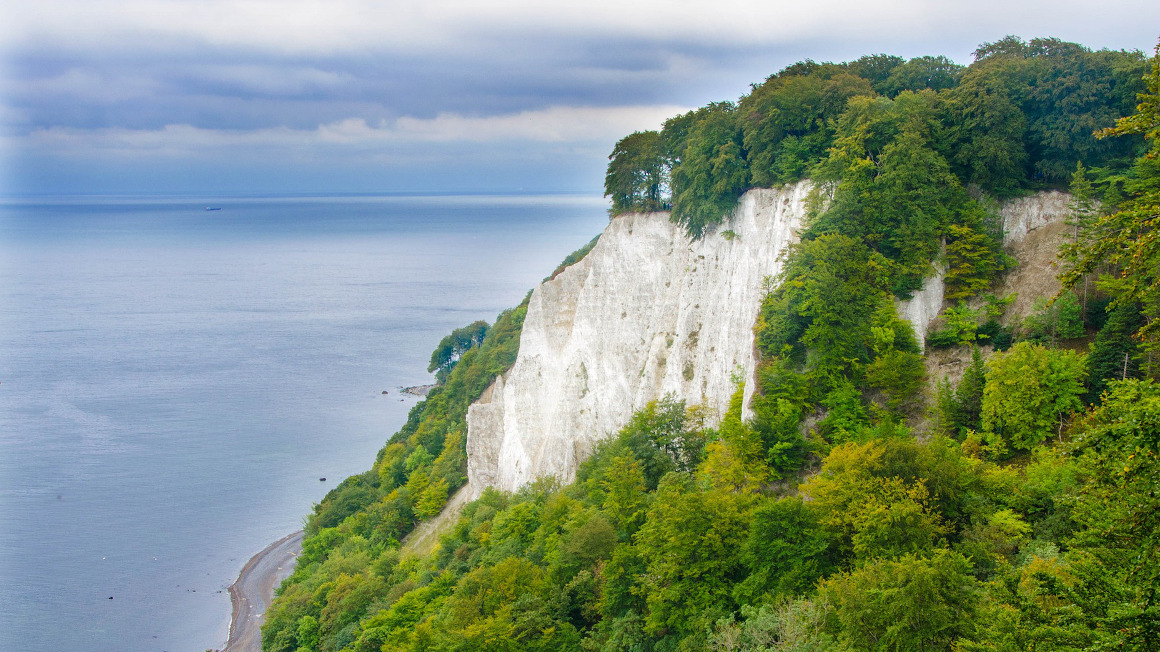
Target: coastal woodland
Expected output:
[864,507]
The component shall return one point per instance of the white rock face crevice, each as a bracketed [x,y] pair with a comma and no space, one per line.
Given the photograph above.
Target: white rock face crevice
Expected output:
[921,309]
[1025,215]
[646,313]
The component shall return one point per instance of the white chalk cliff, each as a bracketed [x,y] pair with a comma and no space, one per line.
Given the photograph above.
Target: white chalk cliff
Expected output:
[646,313]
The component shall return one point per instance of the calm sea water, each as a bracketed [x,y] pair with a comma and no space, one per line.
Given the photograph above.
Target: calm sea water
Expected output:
[175,381]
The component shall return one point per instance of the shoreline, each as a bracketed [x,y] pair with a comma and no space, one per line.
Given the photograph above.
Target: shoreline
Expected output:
[253,591]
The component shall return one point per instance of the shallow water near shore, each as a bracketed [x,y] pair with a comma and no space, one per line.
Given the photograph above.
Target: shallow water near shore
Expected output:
[175,381]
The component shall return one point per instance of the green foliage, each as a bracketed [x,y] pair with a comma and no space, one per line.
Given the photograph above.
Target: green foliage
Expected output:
[963,324]
[1118,545]
[831,339]
[921,73]
[892,544]
[1083,205]
[657,436]
[1030,392]
[1115,352]
[1126,240]
[828,292]
[988,126]
[787,121]
[1025,112]
[786,551]
[711,172]
[687,543]
[967,412]
[912,603]
[792,626]
[351,495]
[972,259]
[866,514]
[1061,319]
[637,174]
[893,190]
[453,346]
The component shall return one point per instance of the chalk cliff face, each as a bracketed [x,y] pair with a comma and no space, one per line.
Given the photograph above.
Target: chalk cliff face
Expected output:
[649,312]
[1034,227]
[924,306]
[1025,215]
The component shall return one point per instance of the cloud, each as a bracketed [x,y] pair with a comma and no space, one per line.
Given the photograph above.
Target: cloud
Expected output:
[552,125]
[305,80]
[455,26]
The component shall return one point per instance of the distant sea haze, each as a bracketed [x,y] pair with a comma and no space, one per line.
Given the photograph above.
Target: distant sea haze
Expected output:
[174,382]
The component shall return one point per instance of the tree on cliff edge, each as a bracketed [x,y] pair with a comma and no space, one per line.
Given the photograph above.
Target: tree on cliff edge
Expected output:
[637,176]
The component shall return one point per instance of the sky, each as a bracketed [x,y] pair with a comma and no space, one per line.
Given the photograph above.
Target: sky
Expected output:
[354,96]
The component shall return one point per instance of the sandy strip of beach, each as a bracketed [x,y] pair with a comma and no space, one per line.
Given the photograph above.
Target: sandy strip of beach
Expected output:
[253,592]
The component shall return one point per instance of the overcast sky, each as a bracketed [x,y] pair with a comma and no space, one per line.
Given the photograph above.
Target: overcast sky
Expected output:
[305,96]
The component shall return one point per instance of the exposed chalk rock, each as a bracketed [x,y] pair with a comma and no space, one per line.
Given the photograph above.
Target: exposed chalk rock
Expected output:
[647,312]
[1034,228]
[924,306]
[1023,215]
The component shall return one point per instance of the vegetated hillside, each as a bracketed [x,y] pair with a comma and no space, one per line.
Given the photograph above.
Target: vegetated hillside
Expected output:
[1026,517]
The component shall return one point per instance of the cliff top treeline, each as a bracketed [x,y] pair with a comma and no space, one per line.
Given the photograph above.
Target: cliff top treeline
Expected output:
[1017,118]
[864,507]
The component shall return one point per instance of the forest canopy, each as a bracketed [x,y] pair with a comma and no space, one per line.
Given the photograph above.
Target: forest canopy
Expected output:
[1018,118]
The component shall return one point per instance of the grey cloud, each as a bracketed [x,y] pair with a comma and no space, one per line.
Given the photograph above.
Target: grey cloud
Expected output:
[141,70]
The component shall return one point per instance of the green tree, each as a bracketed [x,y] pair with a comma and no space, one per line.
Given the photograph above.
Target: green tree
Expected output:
[1118,546]
[453,346]
[787,121]
[431,499]
[972,260]
[896,193]
[1083,205]
[1127,239]
[934,73]
[623,494]
[968,399]
[912,603]
[689,547]
[586,545]
[786,551]
[869,512]
[1030,391]
[1060,319]
[988,125]
[1076,92]
[712,171]
[637,176]
[821,311]
[875,68]
[1115,351]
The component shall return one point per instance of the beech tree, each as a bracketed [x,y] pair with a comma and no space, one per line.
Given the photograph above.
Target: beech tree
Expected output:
[1030,390]
[712,171]
[912,603]
[637,176]
[452,346]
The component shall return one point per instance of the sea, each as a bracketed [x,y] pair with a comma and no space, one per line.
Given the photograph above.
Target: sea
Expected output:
[179,386]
